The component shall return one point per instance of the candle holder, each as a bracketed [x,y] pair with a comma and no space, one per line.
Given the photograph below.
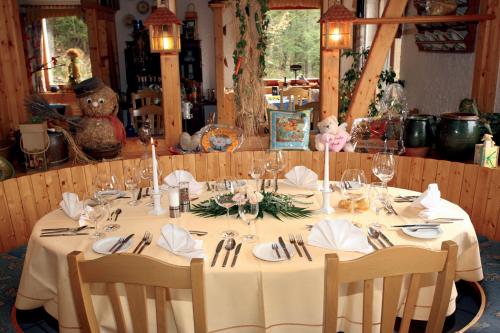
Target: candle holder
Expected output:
[157,208]
[173,202]
[326,208]
[185,202]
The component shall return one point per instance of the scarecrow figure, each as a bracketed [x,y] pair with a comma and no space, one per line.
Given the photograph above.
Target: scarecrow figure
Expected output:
[100,129]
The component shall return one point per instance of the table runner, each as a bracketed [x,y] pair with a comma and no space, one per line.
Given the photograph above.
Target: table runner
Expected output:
[254,296]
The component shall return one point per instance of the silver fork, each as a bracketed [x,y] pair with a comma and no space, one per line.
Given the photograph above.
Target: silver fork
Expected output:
[300,241]
[143,240]
[146,243]
[118,242]
[275,248]
[294,242]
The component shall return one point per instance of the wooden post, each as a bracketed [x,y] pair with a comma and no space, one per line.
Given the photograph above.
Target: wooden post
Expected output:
[329,78]
[171,84]
[365,88]
[484,85]
[95,58]
[218,11]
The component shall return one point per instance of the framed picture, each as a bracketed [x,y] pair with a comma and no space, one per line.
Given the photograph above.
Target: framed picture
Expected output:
[289,130]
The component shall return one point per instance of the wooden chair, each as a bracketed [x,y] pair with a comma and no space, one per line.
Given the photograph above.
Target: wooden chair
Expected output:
[153,113]
[316,109]
[295,95]
[145,97]
[392,264]
[137,273]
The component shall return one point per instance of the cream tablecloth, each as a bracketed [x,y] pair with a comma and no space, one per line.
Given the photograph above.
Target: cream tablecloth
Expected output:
[254,296]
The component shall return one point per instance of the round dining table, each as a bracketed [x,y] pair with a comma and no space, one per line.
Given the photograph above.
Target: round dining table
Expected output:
[254,295]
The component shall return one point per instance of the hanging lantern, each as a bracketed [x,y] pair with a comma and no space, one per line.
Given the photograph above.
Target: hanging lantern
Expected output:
[164,30]
[336,28]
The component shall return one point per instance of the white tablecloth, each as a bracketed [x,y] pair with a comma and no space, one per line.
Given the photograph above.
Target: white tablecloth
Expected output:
[254,296]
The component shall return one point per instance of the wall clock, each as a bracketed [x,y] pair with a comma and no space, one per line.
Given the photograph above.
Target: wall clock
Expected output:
[142,7]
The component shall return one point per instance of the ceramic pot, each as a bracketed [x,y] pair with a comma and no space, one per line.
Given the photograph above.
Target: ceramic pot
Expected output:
[104,153]
[419,134]
[458,134]
[58,150]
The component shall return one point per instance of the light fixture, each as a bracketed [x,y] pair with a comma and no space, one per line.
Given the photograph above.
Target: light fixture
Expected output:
[164,30]
[336,28]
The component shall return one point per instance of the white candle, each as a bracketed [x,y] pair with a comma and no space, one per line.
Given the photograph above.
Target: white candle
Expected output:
[326,178]
[155,168]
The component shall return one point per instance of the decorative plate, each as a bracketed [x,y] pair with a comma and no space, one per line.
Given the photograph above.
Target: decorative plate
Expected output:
[142,7]
[221,138]
[6,169]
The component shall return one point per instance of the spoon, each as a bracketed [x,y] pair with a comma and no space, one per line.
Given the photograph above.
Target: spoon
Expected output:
[117,212]
[375,234]
[229,246]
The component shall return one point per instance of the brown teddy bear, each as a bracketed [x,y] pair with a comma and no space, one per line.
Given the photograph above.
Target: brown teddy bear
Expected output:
[100,129]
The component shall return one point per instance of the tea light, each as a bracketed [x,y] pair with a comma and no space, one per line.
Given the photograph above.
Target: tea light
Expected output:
[174,202]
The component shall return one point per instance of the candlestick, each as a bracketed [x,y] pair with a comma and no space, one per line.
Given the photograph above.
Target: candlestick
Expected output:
[156,195]
[326,177]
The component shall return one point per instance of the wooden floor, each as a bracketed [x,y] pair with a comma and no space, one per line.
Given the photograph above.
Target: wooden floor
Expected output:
[23,200]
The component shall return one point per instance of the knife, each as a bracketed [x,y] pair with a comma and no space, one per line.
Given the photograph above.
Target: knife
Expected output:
[283,245]
[375,247]
[65,234]
[414,225]
[236,252]
[68,230]
[217,250]
[123,243]
[384,237]
[139,196]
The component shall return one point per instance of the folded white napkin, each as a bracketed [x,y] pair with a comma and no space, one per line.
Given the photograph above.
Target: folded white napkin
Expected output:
[339,235]
[174,178]
[178,241]
[302,177]
[430,200]
[71,205]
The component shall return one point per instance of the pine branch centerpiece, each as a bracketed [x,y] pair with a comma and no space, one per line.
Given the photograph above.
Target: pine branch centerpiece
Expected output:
[272,203]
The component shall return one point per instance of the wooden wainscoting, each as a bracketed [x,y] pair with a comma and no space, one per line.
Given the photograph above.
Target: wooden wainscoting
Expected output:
[25,199]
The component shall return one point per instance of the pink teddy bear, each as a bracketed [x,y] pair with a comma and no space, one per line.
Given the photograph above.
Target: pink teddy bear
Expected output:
[332,134]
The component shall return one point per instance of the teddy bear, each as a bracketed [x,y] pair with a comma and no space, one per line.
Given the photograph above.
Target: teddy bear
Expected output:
[334,134]
[100,128]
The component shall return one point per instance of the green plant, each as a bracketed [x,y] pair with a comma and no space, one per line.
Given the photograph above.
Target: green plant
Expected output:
[351,77]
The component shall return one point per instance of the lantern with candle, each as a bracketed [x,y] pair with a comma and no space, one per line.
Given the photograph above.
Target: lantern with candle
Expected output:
[164,30]
[336,28]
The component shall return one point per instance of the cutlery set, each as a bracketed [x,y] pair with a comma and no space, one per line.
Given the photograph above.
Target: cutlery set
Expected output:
[296,241]
[53,232]
[145,241]
[230,245]
[120,243]
[380,237]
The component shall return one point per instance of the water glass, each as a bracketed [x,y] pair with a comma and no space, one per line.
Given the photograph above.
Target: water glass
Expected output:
[224,190]
[275,162]
[383,166]
[248,212]
[377,194]
[257,170]
[132,185]
[94,212]
[353,186]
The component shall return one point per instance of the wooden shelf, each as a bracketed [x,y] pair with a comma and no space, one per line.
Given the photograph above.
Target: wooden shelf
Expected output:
[425,19]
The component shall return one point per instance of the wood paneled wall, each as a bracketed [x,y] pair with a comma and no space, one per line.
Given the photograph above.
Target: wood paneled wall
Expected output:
[476,189]
[13,75]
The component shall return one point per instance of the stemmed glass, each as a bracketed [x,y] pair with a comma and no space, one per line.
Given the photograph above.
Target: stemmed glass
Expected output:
[383,166]
[94,212]
[257,170]
[132,184]
[378,201]
[106,190]
[275,162]
[248,213]
[224,190]
[353,186]
[146,172]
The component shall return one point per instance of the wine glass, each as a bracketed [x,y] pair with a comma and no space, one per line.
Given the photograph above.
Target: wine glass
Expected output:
[353,186]
[377,195]
[257,170]
[275,162]
[146,172]
[106,191]
[224,190]
[248,213]
[132,184]
[94,211]
[383,166]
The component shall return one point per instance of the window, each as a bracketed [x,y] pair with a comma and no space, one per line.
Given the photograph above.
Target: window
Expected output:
[294,39]
[61,34]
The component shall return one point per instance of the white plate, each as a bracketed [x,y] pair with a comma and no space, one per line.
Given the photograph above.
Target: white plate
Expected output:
[265,251]
[424,233]
[102,246]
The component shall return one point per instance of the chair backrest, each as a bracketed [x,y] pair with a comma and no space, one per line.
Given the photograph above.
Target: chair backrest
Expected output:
[295,95]
[138,273]
[145,97]
[153,113]
[392,264]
